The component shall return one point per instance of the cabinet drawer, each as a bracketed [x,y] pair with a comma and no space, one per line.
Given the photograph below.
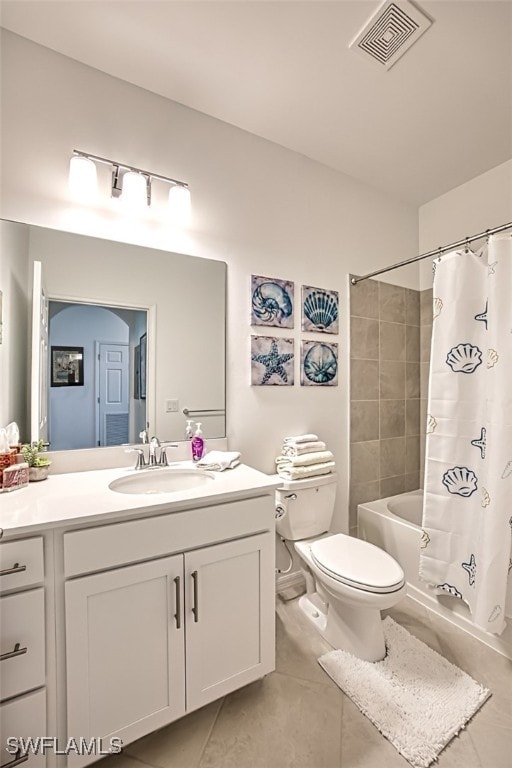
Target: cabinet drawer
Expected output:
[95,549]
[23,718]
[22,646]
[21,563]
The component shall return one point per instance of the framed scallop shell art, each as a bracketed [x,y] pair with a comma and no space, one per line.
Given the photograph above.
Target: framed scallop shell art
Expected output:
[319,310]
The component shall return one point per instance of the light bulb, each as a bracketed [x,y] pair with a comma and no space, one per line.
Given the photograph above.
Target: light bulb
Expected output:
[135,191]
[179,204]
[83,179]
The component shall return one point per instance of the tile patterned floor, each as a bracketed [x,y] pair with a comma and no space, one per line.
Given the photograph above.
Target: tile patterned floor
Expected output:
[298,718]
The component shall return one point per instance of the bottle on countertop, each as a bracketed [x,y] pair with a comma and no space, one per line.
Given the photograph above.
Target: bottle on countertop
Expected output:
[189,429]
[197,444]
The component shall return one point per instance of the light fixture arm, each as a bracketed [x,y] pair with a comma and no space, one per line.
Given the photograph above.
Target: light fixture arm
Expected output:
[129,183]
[117,165]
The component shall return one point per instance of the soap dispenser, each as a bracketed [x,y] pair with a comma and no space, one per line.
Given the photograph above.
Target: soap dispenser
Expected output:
[197,444]
[189,429]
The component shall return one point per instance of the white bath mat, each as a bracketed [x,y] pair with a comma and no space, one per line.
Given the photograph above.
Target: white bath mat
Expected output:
[415,697]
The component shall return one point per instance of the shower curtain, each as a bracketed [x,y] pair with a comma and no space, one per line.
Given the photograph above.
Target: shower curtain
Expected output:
[467,514]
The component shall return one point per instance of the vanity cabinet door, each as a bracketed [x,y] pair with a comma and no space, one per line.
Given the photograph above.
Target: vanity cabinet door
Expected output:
[124,652]
[229,598]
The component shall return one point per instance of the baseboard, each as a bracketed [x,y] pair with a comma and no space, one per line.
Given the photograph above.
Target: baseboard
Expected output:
[287,580]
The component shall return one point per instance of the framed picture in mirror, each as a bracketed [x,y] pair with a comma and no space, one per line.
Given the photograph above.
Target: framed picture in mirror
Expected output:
[67,366]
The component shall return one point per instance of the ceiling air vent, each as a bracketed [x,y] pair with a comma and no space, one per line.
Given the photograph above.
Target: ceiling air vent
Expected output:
[390,32]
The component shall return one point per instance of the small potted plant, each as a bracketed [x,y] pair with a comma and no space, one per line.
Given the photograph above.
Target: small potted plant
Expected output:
[38,465]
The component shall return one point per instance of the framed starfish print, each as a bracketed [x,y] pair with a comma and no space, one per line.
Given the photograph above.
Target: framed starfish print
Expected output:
[271,361]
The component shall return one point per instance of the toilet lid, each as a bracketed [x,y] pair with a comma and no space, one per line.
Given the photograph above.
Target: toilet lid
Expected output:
[357,563]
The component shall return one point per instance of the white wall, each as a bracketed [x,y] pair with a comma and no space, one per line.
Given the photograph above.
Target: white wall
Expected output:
[257,206]
[14,275]
[480,204]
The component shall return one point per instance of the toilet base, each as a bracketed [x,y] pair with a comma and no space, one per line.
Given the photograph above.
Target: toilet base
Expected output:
[357,630]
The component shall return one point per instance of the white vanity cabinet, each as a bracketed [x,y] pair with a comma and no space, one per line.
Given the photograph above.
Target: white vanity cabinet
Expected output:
[165,614]
[125,650]
[22,648]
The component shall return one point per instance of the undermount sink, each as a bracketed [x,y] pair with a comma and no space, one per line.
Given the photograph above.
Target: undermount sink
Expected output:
[161,481]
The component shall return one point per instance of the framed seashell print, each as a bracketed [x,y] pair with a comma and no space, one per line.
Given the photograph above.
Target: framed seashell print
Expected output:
[272,361]
[271,301]
[319,310]
[319,364]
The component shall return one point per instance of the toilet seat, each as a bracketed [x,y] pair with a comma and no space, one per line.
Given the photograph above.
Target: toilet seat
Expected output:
[357,563]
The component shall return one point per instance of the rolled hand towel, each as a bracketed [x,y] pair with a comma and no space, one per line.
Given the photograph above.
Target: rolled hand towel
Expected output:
[289,449]
[219,460]
[307,459]
[299,473]
[301,439]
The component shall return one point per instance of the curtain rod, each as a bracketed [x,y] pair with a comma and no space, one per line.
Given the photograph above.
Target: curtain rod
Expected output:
[434,252]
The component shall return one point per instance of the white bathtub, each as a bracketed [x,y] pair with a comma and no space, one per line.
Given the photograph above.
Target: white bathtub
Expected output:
[394,524]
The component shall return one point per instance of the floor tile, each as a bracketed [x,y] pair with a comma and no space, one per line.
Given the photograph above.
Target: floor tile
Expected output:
[180,744]
[297,717]
[122,760]
[298,644]
[277,722]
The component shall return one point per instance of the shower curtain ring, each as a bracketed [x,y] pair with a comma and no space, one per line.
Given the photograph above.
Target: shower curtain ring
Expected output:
[466,247]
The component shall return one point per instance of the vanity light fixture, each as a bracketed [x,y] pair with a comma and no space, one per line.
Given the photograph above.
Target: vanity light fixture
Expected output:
[179,203]
[132,185]
[83,178]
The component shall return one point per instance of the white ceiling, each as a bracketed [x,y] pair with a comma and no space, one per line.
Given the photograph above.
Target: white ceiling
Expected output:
[283,71]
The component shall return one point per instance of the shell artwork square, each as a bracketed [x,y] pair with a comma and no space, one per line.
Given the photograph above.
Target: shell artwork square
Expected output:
[319,364]
[272,361]
[319,310]
[271,301]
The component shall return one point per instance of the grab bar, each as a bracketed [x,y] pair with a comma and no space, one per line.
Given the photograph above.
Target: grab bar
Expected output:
[195,411]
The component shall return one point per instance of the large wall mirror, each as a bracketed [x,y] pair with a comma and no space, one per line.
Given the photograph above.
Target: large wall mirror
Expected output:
[123,338]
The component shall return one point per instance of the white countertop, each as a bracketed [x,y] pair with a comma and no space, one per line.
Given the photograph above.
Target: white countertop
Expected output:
[79,497]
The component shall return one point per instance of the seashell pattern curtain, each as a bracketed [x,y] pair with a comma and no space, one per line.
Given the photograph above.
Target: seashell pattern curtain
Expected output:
[467,514]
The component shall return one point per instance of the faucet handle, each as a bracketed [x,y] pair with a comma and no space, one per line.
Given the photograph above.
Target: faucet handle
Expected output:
[163,461]
[141,461]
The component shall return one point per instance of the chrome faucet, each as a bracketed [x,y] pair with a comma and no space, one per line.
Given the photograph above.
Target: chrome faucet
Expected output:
[152,462]
[154,443]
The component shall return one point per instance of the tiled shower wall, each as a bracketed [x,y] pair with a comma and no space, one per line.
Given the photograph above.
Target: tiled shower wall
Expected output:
[385,391]
[425,338]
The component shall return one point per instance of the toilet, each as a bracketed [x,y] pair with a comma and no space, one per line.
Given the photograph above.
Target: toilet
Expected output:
[348,581]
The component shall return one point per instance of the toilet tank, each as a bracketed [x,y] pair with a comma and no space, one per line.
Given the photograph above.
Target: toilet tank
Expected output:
[304,507]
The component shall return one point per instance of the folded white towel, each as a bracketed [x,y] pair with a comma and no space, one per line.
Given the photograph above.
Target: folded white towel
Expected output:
[307,459]
[219,460]
[291,449]
[299,473]
[301,439]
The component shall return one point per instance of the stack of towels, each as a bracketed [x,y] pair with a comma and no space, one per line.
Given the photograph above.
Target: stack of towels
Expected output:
[304,456]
